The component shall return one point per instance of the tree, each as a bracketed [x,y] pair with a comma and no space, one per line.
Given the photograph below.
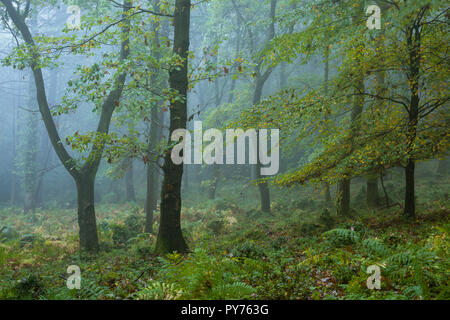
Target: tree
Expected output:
[404,119]
[170,237]
[259,79]
[84,175]
[158,81]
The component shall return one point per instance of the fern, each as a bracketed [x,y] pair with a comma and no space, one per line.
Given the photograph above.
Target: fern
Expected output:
[90,290]
[157,290]
[342,236]
[375,247]
[233,291]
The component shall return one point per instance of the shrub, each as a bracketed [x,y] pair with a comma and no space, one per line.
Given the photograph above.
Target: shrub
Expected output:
[309,228]
[29,288]
[204,276]
[248,249]
[8,233]
[134,223]
[216,225]
[120,234]
[340,237]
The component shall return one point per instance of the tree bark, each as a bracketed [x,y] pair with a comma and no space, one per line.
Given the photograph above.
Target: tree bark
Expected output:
[343,197]
[86,212]
[413,44]
[170,237]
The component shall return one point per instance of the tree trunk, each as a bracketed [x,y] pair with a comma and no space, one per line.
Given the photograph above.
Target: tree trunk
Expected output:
[265,196]
[154,135]
[129,181]
[152,172]
[264,191]
[372,196]
[343,197]
[327,76]
[358,105]
[413,45]
[327,193]
[214,181]
[151,196]
[260,80]
[14,133]
[410,201]
[170,237]
[86,212]
[29,152]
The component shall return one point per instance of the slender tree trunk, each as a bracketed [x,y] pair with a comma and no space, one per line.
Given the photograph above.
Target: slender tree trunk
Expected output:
[263,187]
[386,197]
[14,133]
[215,172]
[410,199]
[343,197]
[152,172]
[413,44]
[129,180]
[358,105]
[170,237]
[37,193]
[214,169]
[327,193]
[151,197]
[265,196]
[155,133]
[29,152]
[327,76]
[260,80]
[372,196]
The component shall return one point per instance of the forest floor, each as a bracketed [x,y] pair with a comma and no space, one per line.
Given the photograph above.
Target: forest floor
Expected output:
[297,252]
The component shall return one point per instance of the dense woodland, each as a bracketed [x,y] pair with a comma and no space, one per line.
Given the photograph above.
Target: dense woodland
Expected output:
[92,94]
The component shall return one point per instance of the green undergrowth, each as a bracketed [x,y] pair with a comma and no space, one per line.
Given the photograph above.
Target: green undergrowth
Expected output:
[296,252]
